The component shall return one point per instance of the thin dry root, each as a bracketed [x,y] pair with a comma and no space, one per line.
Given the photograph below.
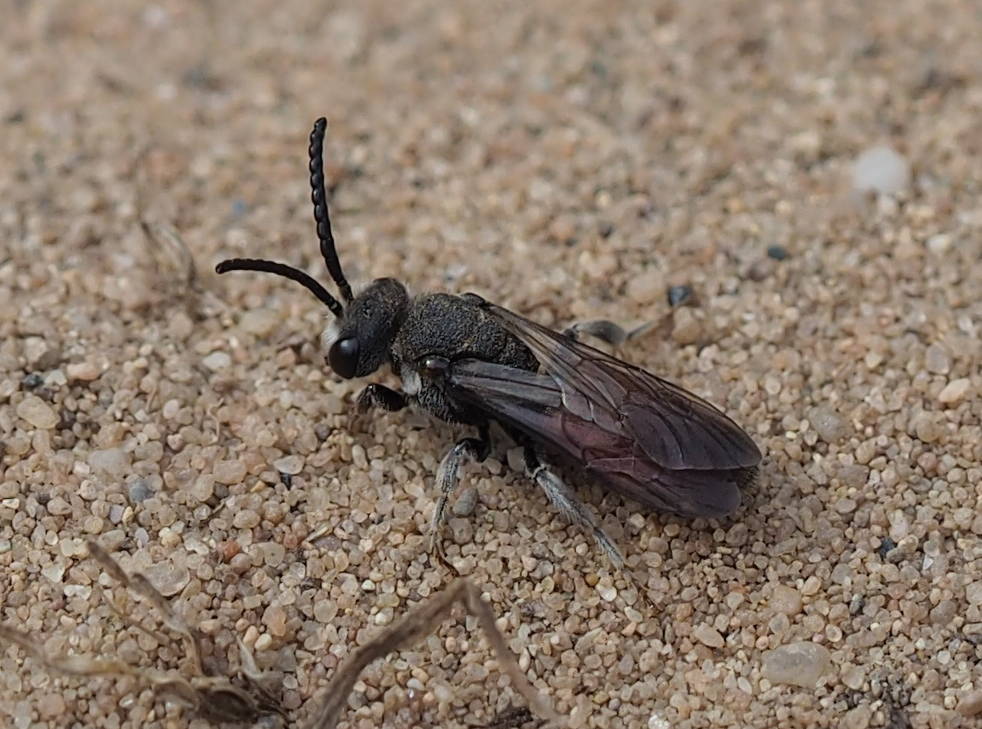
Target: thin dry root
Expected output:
[240,698]
[421,622]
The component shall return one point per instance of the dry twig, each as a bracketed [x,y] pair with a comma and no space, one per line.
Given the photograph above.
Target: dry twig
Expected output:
[242,697]
[421,622]
[237,698]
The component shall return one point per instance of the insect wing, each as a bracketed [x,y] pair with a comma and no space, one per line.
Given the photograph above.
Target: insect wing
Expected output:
[647,438]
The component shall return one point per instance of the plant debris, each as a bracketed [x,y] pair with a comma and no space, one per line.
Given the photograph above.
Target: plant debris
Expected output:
[242,696]
[416,624]
[237,697]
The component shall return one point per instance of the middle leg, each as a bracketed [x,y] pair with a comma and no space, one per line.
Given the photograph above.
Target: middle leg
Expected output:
[447,476]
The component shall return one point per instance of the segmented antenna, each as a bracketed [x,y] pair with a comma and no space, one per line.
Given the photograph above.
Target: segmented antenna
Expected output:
[318,196]
[286,271]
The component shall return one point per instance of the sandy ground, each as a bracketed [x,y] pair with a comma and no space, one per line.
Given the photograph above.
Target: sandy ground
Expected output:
[569,160]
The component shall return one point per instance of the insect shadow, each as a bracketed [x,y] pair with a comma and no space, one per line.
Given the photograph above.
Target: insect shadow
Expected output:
[470,362]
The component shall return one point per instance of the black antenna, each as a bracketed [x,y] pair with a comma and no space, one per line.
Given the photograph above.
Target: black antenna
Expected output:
[282,269]
[318,195]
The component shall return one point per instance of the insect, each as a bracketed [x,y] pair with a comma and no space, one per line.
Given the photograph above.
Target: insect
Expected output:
[470,362]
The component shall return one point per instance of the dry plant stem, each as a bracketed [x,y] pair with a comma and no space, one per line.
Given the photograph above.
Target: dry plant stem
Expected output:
[69,665]
[176,250]
[214,697]
[418,623]
[139,584]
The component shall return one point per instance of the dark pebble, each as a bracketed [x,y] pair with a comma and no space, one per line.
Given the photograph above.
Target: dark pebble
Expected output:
[778,253]
[679,295]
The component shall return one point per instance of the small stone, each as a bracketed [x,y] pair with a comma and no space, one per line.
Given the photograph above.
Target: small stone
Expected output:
[926,429]
[955,391]
[168,537]
[659,721]
[462,531]
[686,327]
[466,502]
[944,612]
[973,593]
[608,593]
[52,706]
[881,170]
[82,372]
[937,359]
[32,381]
[246,519]
[786,600]
[845,506]
[830,426]
[37,413]
[644,288]
[853,676]
[227,550]
[970,704]
[290,465]
[443,693]
[180,326]
[54,572]
[939,243]
[562,229]
[34,349]
[110,463]
[139,491]
[708,636]
[168,578]
[229,472]
[799,664]
[217,361]
[858,717]
[203,488]
[59,507]
[55,379]
[274,554]
[260,322]
[777,252]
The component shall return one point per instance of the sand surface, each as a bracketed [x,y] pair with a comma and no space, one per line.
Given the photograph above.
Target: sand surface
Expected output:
[569,160]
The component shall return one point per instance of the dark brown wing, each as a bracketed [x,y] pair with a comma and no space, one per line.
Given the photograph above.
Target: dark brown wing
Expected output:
[647,438]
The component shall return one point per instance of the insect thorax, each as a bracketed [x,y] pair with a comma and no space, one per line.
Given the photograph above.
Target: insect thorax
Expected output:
[454,328]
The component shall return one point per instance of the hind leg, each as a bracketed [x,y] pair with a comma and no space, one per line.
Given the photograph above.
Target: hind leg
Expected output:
[564,499]
[607,331]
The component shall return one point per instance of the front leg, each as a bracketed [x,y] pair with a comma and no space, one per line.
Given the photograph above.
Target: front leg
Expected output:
[446,476]
[380,396]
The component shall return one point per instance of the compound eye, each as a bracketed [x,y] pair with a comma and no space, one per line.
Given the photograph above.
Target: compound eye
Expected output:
[343,357]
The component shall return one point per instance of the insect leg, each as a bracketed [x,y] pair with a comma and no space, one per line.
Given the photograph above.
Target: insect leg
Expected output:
[380,396]
[477,448]
[563,498]
[606,331]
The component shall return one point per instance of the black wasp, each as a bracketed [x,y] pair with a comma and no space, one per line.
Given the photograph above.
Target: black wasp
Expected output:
[467,361]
